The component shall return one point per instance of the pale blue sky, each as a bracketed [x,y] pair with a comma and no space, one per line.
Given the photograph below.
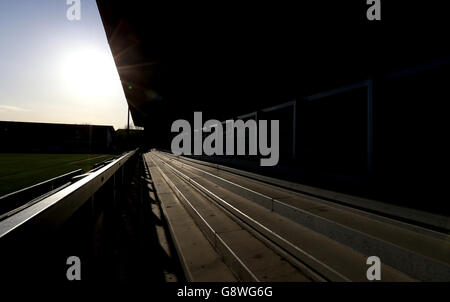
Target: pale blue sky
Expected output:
[56,70]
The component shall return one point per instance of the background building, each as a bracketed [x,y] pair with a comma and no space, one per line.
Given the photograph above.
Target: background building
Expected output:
[55,138]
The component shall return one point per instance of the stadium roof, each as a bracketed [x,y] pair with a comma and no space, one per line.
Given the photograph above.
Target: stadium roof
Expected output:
[226,59]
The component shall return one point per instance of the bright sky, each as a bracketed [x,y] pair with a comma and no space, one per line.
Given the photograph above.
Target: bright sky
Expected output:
[55,70]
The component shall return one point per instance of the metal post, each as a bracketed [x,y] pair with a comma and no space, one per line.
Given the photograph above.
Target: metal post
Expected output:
[370,89]
[294,128]
[128,124]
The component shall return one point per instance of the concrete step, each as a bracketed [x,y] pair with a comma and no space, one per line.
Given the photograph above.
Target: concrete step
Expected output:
[422,218]
[247,257]
[329,258]
[420,253]
[200,261]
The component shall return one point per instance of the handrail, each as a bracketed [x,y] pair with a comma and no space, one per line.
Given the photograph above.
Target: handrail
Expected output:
[57,208]
[18,198]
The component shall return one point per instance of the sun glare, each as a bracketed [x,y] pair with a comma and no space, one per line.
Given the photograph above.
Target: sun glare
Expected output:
[89,73]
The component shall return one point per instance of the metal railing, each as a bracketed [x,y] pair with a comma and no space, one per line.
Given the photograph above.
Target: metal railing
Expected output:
[62,224]
[10,203]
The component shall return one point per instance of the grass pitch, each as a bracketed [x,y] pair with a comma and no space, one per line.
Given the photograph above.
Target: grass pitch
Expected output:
[18,171]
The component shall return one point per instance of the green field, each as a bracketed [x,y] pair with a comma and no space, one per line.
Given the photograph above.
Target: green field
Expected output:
[18,171]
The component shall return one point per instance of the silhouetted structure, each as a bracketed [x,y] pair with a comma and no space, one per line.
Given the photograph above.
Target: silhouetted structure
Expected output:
[126,139]
[369,97]
[55,138]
